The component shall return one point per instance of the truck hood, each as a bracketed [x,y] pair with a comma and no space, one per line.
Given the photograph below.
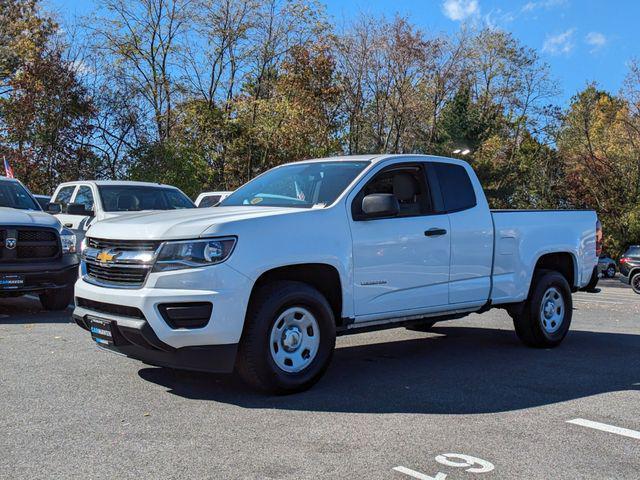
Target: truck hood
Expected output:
[177,224]
[15,216]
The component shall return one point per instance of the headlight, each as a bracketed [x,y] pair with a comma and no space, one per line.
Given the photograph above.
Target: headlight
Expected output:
[193,253]
[68,240]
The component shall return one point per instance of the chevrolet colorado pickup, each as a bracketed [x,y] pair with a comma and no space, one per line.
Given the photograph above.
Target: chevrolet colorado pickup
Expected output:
[37,255]
[311,250]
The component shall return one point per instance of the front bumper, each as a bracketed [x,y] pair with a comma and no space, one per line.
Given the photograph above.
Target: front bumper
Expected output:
[42,276]
[135,339]
[147,336]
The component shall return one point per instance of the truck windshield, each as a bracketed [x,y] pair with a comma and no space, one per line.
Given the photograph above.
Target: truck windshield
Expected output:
[14,195]
[303,185]
[134,198]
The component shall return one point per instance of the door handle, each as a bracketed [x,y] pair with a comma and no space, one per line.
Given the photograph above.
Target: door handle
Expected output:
[435,232]
[69,225]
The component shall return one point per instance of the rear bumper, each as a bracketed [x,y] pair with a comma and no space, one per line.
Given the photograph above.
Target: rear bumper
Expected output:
[39,277]
[136,339]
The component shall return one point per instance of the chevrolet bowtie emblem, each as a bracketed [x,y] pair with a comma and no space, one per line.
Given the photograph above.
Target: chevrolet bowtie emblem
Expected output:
[105,257]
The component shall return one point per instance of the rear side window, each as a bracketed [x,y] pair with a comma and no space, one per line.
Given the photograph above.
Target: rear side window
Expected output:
[455,186]
[633,251]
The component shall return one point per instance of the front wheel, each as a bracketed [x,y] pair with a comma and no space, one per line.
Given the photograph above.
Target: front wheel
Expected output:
[546,316]
[635,283]
[288,340]
[611,271]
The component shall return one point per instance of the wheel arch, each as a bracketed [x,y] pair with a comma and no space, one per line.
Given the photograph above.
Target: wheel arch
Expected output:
[322,276]
[562,262]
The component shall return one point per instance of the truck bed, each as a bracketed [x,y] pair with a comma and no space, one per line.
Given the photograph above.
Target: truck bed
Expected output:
[523,236]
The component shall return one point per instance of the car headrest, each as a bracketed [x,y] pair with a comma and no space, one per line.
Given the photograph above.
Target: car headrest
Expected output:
[128,202]
[405,186]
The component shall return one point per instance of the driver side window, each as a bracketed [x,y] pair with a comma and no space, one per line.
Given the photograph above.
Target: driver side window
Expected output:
[85,197]
[64,197]
[405,182]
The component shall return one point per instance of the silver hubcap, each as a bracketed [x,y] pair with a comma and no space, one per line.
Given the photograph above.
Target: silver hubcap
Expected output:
[295,339]
[552,310]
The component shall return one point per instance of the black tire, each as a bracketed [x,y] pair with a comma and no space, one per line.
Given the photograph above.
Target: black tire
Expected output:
[610,272]
[635,283]
[255,362]
[593,282]
[422,327]
[56,300]
[530,321]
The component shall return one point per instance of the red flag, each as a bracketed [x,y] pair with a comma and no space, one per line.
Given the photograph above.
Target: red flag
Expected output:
[8,171]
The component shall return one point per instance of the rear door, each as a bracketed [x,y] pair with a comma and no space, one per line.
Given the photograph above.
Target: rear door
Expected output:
[471,228]
[400,264]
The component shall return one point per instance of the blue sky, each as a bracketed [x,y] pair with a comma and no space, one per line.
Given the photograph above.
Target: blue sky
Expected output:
[582,40]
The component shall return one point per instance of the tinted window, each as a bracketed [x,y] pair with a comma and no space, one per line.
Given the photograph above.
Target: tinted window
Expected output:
[14,195]
[63,197]
[85,197]
[302,185]
[406,183]
[43,201]
[633,251]
[210,201]
[133,198]
[455,185]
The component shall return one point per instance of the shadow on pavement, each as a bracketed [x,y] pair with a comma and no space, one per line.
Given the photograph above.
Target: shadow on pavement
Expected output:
[21,310]
[463,371]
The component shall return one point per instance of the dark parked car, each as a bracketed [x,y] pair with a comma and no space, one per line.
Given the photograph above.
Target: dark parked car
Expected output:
[606,266]
[43,201]
[630,267]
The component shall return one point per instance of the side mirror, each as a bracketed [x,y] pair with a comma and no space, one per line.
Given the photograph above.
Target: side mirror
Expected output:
[79,209]
[379,205]
[54,208]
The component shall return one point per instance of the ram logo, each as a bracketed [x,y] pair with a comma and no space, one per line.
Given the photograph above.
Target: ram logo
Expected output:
[10,243]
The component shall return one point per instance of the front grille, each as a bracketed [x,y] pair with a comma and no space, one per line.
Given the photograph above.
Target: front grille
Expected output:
[129,276]
[37,251]
[111,308]
[125,245]
[32,244]
[36,236]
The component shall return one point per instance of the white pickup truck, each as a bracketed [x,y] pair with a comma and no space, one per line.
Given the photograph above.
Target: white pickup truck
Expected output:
[315,249]
[79,204]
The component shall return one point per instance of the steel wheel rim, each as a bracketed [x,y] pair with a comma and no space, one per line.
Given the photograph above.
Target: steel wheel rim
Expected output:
[295,339]
[552,310]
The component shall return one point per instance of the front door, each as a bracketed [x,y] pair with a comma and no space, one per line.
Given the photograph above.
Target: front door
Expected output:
[401,264]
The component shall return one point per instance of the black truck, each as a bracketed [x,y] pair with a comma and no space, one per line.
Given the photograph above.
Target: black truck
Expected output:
[37,255]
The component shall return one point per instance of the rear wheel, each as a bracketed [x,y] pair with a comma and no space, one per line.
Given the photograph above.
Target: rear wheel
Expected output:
[635,283]
[611,271]
[288,340]
[56,300]
[546,316]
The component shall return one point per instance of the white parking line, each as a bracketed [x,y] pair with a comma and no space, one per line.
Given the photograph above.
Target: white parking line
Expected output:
[625,432]
[418,475]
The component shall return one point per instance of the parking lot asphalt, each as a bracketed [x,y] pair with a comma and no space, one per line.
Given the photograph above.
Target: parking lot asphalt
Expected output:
[393,405]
